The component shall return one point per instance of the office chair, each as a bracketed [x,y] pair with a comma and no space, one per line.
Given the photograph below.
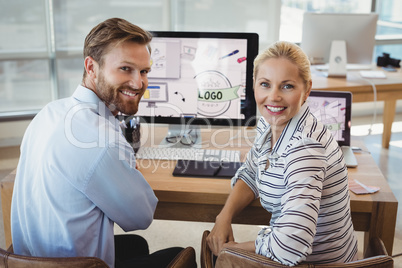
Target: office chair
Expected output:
[185,259]
[375,256]
[9,259]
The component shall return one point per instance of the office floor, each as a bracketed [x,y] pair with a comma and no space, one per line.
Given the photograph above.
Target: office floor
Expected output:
[162,234]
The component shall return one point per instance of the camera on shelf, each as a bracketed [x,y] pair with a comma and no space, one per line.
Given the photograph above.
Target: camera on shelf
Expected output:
[386,60]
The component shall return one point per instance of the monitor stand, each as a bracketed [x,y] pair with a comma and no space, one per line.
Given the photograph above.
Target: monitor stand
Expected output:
[182,136]
[337,59]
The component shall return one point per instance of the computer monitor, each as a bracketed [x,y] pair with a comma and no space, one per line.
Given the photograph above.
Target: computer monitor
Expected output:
[200,78]
[334,109]
[357,30]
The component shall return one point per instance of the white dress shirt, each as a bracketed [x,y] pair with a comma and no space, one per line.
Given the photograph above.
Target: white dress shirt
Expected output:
[76,177]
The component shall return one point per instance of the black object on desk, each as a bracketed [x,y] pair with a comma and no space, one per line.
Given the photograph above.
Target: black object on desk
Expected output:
[212,169]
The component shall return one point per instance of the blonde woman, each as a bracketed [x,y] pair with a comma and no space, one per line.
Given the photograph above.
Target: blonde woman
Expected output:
[296,169]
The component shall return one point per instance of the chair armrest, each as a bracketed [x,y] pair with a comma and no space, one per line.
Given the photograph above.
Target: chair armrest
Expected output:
[185,259]
[206,253]
[235,257]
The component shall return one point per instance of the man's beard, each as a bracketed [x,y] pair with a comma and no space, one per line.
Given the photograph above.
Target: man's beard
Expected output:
[109,94]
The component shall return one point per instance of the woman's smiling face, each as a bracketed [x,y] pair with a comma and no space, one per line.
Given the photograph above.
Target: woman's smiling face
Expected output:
[279,91]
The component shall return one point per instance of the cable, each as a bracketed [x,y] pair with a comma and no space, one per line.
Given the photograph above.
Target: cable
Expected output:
[375,103]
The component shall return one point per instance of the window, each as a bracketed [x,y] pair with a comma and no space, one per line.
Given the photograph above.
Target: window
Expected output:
[389,29]
[25,82]
[258,16]
[72,22]
[41,56]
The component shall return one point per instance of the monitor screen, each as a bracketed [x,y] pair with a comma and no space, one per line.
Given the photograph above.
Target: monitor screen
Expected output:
[201,78]
[357,30]
[333,109]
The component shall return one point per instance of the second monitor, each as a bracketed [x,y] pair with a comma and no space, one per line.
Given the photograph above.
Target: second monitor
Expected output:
[323,30]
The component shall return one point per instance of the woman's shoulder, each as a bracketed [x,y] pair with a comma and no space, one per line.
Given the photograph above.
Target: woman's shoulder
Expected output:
[316,132]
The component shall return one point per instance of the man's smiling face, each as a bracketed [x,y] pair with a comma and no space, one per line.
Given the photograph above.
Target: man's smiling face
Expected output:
[123,77]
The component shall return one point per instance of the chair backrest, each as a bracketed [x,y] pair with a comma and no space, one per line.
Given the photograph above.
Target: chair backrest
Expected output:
[9,259]
[234,257]
[206,253]
[185,259]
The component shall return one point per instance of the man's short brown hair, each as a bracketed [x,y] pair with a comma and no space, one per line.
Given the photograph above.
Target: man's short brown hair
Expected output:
[113,32]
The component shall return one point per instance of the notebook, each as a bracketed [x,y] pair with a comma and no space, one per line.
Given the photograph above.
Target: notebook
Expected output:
[334,109]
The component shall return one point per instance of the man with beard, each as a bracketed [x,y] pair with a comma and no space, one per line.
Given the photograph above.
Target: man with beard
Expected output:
[76,176]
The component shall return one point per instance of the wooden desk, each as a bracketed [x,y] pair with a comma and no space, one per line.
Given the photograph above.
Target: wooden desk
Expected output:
[201,199]
[389,90]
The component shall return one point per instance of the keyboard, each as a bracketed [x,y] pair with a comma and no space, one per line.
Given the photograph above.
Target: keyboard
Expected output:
[188,154]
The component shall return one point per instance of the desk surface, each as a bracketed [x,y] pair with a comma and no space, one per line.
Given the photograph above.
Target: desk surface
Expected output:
[357,84]
[179,197]
[159,172]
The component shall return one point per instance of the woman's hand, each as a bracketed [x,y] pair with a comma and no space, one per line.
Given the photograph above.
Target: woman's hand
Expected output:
[220,234]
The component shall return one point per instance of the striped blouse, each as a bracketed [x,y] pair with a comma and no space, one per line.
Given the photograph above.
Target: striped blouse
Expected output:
[305,187]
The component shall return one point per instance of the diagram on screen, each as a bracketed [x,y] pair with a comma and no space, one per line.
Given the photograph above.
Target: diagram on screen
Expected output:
[165,59]
[331,114]
[195,78]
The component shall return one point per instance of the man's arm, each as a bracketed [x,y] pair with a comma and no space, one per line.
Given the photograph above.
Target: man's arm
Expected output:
[122,192]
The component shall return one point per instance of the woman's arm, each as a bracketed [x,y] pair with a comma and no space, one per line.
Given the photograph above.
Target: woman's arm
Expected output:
[249,246]
[238,199]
